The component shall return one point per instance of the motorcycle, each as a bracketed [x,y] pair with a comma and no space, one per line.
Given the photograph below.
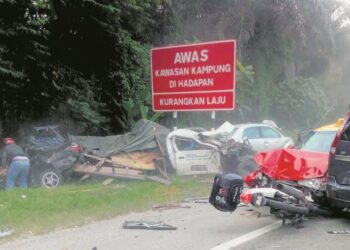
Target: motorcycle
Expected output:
[284,184]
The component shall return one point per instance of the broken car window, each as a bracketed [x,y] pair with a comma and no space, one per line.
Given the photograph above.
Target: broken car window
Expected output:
[187,144]
[251,133]
[269,133]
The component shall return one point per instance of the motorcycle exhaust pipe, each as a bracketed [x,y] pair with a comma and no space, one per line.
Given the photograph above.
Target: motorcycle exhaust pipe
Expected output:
[286,207]
[290,191]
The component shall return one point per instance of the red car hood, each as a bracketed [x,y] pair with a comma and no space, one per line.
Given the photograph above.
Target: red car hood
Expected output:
[290,164]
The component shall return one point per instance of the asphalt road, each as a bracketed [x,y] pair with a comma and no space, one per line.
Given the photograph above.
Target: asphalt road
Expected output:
[198,227]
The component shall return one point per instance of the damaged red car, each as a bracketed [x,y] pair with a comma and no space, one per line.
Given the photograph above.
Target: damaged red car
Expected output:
[291,182]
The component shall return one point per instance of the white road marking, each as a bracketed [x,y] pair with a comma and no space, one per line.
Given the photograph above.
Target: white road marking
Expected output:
[247,237]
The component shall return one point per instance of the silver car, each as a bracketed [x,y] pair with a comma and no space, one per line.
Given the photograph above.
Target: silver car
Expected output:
[262,136]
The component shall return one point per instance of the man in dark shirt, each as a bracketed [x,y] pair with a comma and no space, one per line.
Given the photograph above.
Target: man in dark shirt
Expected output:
[16,162]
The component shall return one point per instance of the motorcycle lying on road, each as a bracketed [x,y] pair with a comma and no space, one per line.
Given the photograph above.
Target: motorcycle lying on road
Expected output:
[284,184]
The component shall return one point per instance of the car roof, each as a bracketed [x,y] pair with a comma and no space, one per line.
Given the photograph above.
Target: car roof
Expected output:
[331,127]
[253,125]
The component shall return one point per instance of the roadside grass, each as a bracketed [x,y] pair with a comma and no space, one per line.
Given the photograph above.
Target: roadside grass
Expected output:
[38,210]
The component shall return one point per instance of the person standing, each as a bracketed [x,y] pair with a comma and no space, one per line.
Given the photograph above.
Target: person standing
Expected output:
[16,162]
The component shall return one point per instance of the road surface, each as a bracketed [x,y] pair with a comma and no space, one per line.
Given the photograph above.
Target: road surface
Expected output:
[198,227]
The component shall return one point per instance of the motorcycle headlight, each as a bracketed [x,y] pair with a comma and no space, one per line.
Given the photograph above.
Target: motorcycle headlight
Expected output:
[316,184]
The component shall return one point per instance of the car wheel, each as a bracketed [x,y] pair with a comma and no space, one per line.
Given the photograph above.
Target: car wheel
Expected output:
[50,178]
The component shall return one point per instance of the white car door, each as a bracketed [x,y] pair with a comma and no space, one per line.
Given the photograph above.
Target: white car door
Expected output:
[193,158]
[254,137]
[272,138]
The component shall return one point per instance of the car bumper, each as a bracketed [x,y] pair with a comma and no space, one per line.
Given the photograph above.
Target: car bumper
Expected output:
[338,195]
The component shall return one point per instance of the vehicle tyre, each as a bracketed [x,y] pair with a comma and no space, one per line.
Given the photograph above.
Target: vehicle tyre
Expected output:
[50,178]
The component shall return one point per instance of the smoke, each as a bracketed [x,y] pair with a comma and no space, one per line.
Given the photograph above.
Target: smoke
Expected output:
[284,41]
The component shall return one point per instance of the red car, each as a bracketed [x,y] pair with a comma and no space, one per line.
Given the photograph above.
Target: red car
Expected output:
[307,161]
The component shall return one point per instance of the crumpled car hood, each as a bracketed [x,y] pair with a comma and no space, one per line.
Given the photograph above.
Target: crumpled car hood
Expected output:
[290,164]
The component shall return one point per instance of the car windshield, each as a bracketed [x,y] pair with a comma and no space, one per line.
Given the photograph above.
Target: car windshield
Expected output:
[319,141]
[46,137]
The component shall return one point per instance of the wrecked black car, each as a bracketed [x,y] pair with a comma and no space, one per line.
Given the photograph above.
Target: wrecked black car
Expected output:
[51,155]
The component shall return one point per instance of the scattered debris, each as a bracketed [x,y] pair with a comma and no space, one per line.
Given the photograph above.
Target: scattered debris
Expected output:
[138,155]
[166,182]
[5,232]
[197,199]
[108,181]
[147,225]
[339,232]
[169,206]
[2,171]
[106,169]
[137,160]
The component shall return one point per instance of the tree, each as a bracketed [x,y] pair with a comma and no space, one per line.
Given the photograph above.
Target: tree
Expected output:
[23,53]
[286,42]
[100,45]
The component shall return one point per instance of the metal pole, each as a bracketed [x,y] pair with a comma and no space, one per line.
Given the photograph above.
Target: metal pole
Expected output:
[212,116]
[175,120]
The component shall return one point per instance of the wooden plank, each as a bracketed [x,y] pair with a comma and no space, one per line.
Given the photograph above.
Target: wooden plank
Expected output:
[136,160]
[86,176]
[162,150]
[90,169]
[159,179]
[108,181]
[107,172]
[98,166]
[164,155]
[159,168]
[96,157]
[121,176]
[116,164]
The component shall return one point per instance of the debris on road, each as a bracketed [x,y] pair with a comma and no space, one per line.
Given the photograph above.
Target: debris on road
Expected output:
[137,155]
[169,206]
[5,232]
[339,232]
[147,225]
[197,199]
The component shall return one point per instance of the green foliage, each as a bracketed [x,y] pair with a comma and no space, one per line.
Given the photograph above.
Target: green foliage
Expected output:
[302,102]
[81,60]
[102,41]
[23,55]
[280,41]
[88,60]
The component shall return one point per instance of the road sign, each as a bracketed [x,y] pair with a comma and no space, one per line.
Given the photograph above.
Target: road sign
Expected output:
[194,77]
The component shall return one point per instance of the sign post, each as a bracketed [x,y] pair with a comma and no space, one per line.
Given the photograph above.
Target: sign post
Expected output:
[194,77]
[175,120]
[212,116]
